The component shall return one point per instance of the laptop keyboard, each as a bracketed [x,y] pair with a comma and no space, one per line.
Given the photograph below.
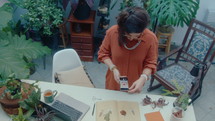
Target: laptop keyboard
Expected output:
[70,111]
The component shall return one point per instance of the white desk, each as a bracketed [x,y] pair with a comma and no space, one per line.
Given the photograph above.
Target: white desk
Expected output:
[85,94]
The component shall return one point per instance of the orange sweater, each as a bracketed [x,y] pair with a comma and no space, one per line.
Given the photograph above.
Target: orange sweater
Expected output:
[130,63]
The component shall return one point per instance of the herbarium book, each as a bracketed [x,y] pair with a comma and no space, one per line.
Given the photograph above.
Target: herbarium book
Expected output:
[113,110]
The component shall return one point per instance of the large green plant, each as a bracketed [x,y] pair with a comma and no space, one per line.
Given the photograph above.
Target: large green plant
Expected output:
[172,12]
[43,15]
[14,50]
[127,3]
[5,10]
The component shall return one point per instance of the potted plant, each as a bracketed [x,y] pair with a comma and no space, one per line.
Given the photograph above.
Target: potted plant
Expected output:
[180,104]
[42,15]
[13,88]
[42,20]
[22,100]
[14,94]
[168,13]
[15,50]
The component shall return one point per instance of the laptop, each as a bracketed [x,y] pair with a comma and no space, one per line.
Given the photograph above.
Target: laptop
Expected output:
[67,108]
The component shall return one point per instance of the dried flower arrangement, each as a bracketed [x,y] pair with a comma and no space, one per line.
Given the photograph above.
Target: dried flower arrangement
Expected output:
[160,103]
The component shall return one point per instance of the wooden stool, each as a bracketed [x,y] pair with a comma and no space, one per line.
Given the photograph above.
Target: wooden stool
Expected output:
[166,37]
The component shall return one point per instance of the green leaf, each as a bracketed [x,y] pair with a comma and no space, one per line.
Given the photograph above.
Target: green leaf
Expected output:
[13,49]
[33,99]
[20,116]
[11,63]
[27,48]
[19,3]
[6,15]
[173,12]
[29,113]
[114,3]
[24,105]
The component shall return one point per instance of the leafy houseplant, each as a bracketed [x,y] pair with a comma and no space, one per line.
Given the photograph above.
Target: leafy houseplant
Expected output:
[13,88]
[43,15]
[171,12]
[27,105]
[15,49]
[18,97]
[15,94]
[6,11]
[182,101]
[124,4]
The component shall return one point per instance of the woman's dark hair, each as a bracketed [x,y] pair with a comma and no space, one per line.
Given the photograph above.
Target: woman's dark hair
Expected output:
[132,20]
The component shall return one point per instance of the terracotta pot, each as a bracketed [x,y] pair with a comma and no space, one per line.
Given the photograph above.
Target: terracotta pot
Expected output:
[10,106]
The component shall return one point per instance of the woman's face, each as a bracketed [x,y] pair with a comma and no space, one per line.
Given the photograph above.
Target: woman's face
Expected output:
[132,36]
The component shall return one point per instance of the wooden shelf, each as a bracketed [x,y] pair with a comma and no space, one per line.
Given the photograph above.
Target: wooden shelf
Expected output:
[82,41]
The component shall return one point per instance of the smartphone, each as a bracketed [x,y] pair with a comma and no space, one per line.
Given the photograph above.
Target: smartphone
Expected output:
[123,83]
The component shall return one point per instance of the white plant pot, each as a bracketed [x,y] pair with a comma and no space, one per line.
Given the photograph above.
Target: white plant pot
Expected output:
[175,118]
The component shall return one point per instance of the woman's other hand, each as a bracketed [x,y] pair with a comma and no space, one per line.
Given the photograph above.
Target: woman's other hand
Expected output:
[137,86]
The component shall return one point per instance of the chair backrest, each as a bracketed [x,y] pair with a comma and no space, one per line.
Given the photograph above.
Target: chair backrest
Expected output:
[198,44]
[64,60]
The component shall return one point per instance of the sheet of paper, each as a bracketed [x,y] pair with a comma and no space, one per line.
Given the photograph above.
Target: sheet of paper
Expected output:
[154,116]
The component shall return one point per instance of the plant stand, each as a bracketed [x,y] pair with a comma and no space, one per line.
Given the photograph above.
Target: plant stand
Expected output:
[10,106]
[82,41]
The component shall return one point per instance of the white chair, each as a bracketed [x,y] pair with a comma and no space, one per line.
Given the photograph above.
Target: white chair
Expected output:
[66,60]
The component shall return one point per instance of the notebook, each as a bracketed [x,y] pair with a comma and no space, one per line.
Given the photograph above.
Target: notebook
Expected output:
[68,108]
[154,116]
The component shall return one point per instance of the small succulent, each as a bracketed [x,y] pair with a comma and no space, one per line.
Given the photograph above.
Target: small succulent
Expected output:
[43,114]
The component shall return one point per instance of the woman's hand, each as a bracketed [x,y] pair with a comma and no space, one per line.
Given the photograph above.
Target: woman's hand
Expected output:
[116,74]
[137,86]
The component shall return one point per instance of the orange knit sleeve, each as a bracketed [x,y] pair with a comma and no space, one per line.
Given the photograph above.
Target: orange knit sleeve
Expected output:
[152,55]
[105,50]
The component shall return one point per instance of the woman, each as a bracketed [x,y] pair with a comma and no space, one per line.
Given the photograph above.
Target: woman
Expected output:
[129,49]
